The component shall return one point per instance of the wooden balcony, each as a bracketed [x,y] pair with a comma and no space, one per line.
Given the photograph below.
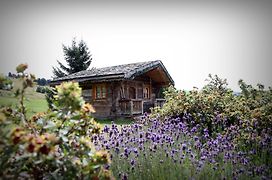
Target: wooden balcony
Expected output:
[131,106]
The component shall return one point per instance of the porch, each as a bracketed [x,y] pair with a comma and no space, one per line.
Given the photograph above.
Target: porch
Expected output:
[131,106]
[138,106]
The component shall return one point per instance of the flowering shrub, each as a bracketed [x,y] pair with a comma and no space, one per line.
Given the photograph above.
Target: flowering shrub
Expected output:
[216,102]
[258,105]
[51,145]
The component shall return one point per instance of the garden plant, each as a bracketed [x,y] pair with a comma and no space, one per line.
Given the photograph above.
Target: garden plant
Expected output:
[54,144]
[211,133]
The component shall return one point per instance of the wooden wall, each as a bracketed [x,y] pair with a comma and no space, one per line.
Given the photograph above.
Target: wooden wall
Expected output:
[102,106]
[109,107]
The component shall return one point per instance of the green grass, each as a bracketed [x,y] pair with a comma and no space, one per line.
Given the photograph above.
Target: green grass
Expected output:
[124,121]
[36,105]
[34,102]
[118,122]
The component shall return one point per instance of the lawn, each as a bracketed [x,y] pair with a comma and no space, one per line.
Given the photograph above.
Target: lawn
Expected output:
[119,121]
[35,102]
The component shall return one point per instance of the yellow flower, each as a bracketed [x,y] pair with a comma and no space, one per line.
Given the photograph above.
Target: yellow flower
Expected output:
[88,108]
[102,156]
[21,68]
[17,135]
[106,174]
[50,137]
[86,141]
[96,127]
[38,116]
[69,95]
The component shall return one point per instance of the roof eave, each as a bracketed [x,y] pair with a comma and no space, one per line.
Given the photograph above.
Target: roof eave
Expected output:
[92,78]
[147,68]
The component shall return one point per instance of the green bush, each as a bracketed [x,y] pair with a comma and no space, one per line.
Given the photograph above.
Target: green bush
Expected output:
[5,83]
[51,145]
[50,95]
[42,89]
[216,106]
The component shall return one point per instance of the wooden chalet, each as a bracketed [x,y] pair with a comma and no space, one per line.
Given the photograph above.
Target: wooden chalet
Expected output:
[123,90]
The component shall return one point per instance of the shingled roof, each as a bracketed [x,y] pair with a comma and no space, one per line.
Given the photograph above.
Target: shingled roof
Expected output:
[119,72]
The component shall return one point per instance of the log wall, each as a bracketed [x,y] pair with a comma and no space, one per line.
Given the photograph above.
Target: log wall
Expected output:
[117,91]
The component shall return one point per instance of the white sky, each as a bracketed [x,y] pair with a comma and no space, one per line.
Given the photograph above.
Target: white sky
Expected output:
[230,38]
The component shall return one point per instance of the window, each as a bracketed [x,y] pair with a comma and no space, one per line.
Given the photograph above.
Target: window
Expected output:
[87,94]
[140,93]
[146,93]
[132,93]
[100,91]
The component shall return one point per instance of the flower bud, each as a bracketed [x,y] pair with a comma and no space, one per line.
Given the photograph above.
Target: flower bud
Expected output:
[21,68]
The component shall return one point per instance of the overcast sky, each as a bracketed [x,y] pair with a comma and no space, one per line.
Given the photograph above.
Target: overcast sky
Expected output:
[192,38]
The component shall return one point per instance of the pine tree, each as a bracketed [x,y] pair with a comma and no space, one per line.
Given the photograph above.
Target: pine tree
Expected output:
[77,57]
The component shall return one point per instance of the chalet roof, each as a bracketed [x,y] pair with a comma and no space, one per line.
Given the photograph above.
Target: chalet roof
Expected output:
[119,72]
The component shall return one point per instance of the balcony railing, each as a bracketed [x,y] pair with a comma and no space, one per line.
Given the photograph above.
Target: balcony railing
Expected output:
[131,106]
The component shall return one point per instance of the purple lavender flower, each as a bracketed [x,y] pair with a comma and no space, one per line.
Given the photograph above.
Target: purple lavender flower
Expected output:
[132,162]
[184,146]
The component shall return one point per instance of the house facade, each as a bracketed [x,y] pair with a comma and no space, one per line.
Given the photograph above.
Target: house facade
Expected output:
[124,90]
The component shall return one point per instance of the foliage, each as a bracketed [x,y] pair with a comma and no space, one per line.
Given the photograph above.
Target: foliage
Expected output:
[50,95]
[5,83]
[210,133]
[216,101]
[201,134]
[258,103]
[69,96]
[42,81]
[48,91]
[41,89]
[51,145]
[78,58]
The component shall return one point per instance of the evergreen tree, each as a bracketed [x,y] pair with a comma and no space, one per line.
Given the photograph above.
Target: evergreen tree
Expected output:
[78,58]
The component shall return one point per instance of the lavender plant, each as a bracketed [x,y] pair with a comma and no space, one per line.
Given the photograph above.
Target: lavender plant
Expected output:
[171,149]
